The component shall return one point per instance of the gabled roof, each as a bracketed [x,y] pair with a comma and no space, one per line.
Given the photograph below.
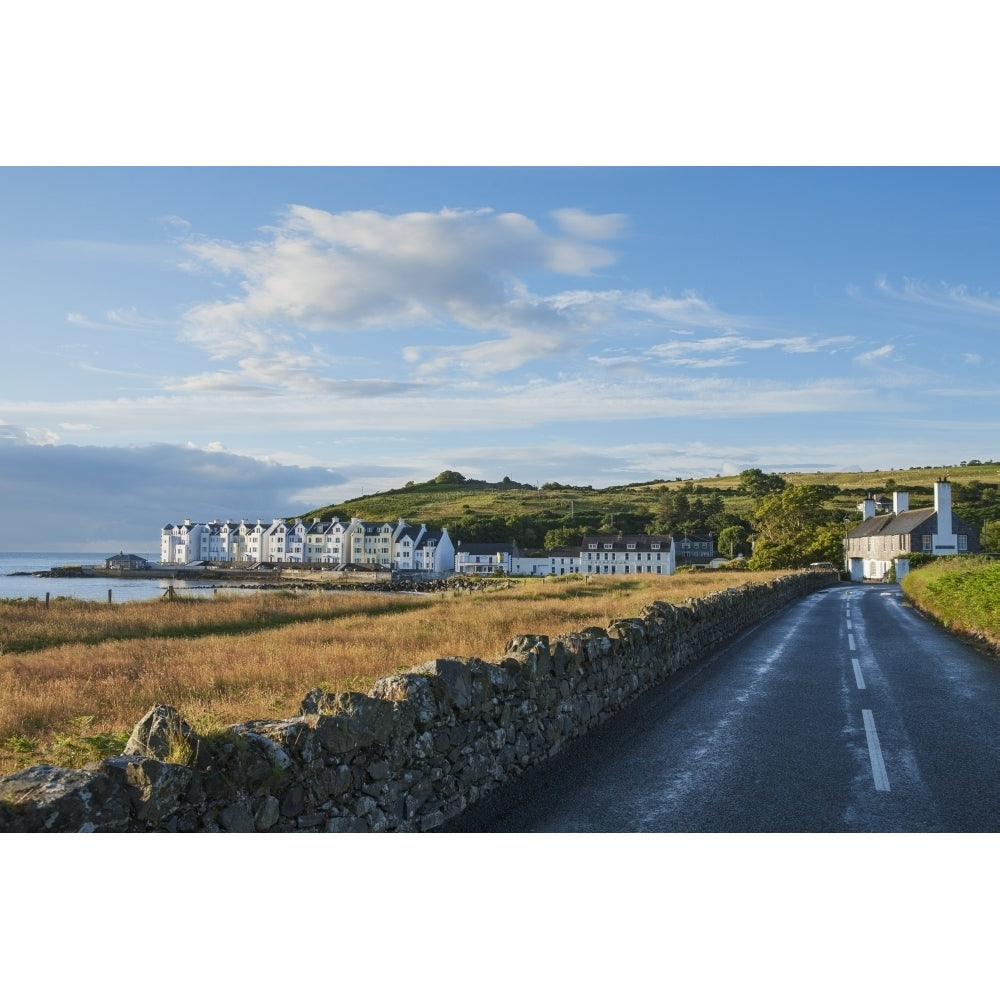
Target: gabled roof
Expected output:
[893,524]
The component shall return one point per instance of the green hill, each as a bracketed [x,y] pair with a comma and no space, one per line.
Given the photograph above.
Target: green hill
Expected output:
[558,513]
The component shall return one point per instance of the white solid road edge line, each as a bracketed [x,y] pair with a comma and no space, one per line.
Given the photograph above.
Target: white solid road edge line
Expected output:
[875,752]
[857,674]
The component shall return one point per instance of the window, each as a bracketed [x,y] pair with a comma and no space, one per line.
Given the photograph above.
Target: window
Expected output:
[963,543]
[926,542]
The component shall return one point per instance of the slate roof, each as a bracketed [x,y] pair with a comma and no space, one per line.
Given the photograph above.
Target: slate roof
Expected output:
[485,548]
[924,519]
[621,543]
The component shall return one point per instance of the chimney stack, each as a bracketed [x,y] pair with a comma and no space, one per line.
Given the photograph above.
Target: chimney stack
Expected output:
[942,505]
[869,510]
[900,503]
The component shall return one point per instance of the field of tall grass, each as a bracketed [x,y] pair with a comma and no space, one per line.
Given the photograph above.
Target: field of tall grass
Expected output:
[962,593]
[76,677]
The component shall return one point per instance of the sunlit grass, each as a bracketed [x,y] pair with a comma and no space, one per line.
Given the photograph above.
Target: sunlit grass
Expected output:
[962,592]
[244,658]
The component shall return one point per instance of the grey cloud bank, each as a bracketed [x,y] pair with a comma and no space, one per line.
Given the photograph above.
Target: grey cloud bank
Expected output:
[64,497]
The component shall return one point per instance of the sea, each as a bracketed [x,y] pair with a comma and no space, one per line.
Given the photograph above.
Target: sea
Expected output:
[87,589]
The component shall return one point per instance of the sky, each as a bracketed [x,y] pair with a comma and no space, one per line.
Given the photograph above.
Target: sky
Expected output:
[197,341]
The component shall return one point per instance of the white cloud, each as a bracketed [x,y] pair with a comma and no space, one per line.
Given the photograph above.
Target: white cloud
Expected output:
[320,273]
[718,352]
[956,298]
[124,318]
[583,226]
[878,354]
[15,435]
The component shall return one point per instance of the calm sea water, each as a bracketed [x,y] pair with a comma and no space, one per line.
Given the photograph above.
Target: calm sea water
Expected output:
[83,589]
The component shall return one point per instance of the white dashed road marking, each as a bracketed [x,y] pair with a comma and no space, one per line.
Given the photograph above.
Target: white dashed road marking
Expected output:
[875,752]
[857,674]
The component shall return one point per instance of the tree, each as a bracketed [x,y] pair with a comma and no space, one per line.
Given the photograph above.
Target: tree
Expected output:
[989,540]
[732,541]
[556,538]
[761,484]
[449,477]
[793,530]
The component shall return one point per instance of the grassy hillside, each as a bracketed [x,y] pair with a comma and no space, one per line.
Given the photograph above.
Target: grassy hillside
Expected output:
[476,510]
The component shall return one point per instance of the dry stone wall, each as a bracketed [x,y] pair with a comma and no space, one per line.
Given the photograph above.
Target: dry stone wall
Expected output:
[411,754]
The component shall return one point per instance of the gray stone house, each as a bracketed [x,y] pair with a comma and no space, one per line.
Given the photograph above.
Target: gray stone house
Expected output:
[884,542]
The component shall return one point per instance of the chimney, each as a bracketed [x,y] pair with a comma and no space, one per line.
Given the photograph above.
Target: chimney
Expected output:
[869,507]
[900,503]
[942,504]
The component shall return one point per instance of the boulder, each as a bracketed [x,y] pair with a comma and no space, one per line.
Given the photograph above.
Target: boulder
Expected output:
[162,733]
[47,799]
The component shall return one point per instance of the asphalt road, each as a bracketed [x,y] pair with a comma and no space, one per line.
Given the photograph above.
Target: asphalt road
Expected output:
[847,711]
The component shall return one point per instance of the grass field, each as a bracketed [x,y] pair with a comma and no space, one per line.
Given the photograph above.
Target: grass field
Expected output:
[963,593]
[75,678]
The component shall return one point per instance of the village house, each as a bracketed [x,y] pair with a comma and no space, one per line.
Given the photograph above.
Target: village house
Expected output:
[181,543]
[627,554]
[435,553]
[531,564]
[882,543]
[126,561]
[694,550]
[564,560]
[485,558]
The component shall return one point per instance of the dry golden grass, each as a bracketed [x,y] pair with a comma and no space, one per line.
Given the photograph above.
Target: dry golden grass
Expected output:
[77,701]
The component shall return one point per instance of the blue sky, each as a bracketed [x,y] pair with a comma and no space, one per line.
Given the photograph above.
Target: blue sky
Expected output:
[198,341]
[204,342]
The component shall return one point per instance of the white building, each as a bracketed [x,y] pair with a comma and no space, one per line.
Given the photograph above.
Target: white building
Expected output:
[485,558]
[534,565]
[563,561]
[330,543]
[627,554]
[181,543]
[435,553]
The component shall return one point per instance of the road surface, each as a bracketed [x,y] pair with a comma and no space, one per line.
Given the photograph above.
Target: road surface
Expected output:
[847,711]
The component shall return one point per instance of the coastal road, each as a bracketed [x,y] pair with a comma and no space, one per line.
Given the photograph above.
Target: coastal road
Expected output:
[846,711]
